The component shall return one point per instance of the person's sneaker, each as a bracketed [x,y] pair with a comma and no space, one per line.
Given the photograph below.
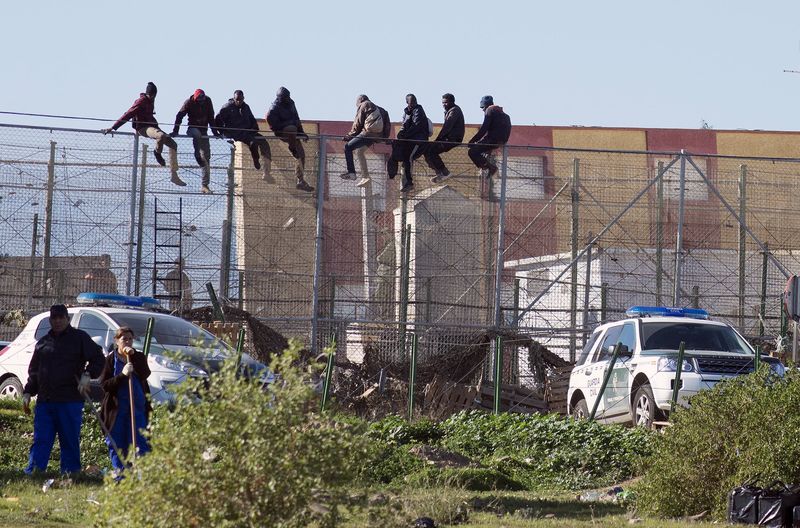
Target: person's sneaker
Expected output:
[159,158]
[407,187]
[176,180]
[205,190]
[348,176]
[303,186]
[440,176]
[491,170]
[363,181]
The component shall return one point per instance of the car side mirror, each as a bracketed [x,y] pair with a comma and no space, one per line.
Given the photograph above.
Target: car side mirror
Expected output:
[624,351]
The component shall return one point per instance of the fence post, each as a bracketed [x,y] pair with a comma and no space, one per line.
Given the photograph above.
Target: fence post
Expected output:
[34,241]
[676,293]
[586,287]
[763,308]
[326,385]
[227,234]
[606,377]
[742,240]
[660,234]
[501,227]
[603,302]
[498,372]
[677,383]
[48,219]
[695,297]
[321,161]
[575,226]
[217,309]
[241,290]
[405,278]
[412,375]
[132,216]
[140,234]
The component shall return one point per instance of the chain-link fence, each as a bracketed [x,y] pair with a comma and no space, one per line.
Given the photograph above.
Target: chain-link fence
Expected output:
[556,242]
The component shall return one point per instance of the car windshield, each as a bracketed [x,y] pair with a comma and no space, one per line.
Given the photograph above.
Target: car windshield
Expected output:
[168,330]
[697,336]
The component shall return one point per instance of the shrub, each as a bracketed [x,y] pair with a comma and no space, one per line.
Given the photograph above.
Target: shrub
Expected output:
[387,462]
[396,430]
[744,427]
[240,456]
[473,479]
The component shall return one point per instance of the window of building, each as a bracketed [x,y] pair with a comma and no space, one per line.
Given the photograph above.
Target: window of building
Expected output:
[695,187]
[524,178]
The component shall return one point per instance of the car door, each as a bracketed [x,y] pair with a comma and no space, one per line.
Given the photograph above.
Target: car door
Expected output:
[616,401]
[594,376]
[98,329]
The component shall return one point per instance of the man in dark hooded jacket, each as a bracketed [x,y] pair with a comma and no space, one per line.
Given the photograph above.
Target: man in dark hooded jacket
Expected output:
[200,110]
[142,117]
[236,121]
[451,134]
[411,140]
[285,123]
[494,132]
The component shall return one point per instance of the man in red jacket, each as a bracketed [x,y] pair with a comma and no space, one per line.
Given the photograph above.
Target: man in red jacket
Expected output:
[200,110]
[142,118]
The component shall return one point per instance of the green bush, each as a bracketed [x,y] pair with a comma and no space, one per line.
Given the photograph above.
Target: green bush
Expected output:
[744,427]
[548,450]
[473,479]
[240,456]
[396,430]
[387,462]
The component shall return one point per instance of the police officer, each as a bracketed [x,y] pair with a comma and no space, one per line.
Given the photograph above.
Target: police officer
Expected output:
[62,364]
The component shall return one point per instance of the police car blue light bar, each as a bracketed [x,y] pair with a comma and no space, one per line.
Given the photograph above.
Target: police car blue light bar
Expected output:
[666,311]
[113,299]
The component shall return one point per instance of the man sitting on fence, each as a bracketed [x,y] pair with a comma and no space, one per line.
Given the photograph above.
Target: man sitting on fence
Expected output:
[494,132]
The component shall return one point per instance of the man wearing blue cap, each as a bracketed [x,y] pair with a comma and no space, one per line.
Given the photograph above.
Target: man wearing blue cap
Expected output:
[494,132]
[59,373]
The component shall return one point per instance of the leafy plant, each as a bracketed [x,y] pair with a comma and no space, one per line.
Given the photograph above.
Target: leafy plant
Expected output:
[241,456]
[742,428]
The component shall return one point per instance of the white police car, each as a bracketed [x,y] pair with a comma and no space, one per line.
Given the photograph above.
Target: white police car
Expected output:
[178,348]
[640,387]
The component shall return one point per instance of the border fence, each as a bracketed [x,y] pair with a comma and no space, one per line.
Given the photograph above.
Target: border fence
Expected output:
[559,241]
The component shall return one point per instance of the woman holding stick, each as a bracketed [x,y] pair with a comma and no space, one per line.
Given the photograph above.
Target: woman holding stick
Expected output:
[126,406]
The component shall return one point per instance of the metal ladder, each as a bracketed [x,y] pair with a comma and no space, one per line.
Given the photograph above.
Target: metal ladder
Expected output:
[168,252]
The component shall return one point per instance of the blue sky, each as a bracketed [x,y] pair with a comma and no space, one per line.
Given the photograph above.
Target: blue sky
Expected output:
[614,63]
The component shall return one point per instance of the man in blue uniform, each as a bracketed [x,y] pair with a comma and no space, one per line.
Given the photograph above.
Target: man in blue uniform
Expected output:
[62,364]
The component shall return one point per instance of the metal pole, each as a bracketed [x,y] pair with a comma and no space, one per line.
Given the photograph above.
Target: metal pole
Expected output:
[603,302]
[660,235]
[586,287]
[516,302]
[575,227]
[326,386]
[677,383]
[606,377]
[412,375]
[239,347]
[155,245]
[794,342]
[405,278]
[140,234]
[742,240]
[763,308]
[321,161]
[132,217]
[676,292]
[501,227]
[498,372]
[241,290]
[34,241]
[148,336]
[48,216]
[218,314]
[757,359]
[227,233]
[695,297]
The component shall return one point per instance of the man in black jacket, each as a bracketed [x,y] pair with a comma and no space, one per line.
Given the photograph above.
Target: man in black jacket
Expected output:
[494,132]
[285,122]
[201,114]
[236,121]
[451,134]
[61,366]
[412,139]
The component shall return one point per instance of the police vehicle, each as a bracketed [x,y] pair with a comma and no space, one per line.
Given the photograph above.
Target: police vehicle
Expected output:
[640,387]
[178,348]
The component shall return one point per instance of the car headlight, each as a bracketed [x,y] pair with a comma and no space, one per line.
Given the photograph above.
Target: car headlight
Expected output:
[180,366]
[668,364]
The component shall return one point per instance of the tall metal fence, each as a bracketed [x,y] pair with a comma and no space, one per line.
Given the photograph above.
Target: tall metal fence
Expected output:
[555,243]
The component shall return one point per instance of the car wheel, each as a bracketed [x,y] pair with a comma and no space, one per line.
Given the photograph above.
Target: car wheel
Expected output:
[11,388]
[645,411]
[580,411]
